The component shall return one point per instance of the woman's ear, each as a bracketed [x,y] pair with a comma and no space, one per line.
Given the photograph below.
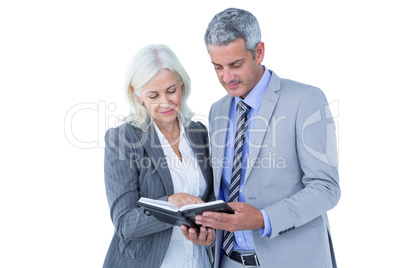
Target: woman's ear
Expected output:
[140,100]
[138,97]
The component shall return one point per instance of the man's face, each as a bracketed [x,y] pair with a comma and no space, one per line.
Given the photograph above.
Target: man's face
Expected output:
[235,67]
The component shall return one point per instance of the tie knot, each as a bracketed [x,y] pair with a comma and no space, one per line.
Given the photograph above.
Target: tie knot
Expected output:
[243,106]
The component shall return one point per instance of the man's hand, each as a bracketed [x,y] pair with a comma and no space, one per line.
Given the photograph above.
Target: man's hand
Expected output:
[181,199]
[246,217]
[205,237]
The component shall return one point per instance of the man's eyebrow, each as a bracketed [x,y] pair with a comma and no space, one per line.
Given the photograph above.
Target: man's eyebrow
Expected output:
[232,63]
[237,61]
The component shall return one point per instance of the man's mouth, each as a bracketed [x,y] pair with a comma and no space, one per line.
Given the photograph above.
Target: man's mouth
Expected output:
[233,85]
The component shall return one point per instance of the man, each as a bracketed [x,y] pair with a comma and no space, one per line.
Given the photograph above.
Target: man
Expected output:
[274,157]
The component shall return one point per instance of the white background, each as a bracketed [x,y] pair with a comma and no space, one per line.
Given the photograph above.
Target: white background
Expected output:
[56,55]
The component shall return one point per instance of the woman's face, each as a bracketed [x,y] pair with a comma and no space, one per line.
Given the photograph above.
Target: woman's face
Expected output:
[162,97]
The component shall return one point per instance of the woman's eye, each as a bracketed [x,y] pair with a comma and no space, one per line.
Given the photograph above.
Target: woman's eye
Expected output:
[153,96]
[170,91]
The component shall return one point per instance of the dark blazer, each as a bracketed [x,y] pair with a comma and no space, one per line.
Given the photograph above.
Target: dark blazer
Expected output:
[135,166]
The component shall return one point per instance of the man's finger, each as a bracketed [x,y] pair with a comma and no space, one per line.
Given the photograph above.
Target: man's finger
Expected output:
[215,220]
[211,223]
[225,217]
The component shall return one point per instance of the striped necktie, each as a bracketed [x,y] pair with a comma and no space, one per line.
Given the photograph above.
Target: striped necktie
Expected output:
[241,131]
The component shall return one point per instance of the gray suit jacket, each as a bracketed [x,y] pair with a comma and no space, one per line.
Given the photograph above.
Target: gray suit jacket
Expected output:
[135,166]
[291,173]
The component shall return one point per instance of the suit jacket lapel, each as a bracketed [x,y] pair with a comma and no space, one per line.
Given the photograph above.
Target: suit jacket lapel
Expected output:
[154,149]
[266,110]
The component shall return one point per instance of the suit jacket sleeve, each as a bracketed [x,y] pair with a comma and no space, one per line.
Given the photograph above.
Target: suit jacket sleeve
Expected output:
[317,153]
[123,191]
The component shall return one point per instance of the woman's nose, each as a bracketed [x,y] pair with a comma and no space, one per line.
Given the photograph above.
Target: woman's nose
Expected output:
[164,100]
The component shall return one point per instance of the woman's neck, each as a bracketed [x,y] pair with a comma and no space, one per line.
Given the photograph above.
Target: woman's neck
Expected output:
[169,130]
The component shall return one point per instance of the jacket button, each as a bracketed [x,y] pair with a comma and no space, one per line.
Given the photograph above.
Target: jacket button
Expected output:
[281,232]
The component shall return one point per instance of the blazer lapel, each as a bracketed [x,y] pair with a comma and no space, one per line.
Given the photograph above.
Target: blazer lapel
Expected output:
[266,110]
[195,136]
[154,149]
[219,127]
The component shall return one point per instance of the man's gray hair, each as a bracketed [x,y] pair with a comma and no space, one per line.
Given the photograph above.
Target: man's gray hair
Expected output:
[232,24]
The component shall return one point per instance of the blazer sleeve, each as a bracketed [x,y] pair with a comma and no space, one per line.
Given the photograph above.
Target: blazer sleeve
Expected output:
[317,152]
[123,191]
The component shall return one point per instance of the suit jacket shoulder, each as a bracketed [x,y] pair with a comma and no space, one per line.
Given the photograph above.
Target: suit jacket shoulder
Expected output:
[298,90]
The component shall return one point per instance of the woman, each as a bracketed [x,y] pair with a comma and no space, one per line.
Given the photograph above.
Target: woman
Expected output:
[161,154]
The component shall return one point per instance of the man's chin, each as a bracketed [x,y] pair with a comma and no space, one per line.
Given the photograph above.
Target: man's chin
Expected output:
[237,92]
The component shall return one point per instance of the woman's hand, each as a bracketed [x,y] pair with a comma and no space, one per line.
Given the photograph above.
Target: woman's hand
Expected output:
[205,237]
[182,199]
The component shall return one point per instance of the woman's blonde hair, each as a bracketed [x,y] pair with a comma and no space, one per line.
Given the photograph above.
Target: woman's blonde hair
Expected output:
[145,65]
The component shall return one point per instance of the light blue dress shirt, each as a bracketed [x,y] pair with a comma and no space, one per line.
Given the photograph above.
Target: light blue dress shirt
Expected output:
[244,239]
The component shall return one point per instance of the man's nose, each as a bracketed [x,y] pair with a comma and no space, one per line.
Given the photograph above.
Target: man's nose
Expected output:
[228,76]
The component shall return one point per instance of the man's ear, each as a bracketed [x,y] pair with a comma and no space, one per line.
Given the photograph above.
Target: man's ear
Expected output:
[260,52]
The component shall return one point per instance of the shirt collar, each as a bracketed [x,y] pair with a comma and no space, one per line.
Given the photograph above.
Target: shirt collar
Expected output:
[255,96]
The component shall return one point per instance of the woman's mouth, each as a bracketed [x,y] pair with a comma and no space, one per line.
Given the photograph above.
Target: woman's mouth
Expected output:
[169,112]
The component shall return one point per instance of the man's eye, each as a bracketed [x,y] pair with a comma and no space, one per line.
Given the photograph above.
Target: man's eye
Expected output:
[218,67]
[237,66]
